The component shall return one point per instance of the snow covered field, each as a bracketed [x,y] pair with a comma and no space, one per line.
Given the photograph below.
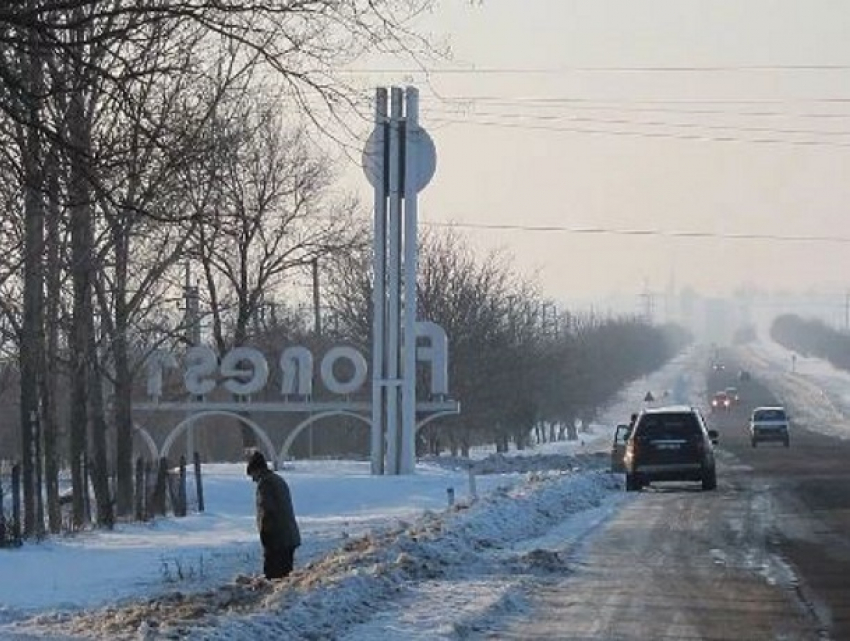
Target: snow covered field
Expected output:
[383,557]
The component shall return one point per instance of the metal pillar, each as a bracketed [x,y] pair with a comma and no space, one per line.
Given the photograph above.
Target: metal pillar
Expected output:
[399,161]
[376,162]
[407,455]
[393,328]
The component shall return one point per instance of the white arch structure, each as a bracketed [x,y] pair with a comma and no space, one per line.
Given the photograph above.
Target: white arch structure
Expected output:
[184,425]
[244,371]
[367,419]
[433,416]
[148,441]
[284,450]
[362,414]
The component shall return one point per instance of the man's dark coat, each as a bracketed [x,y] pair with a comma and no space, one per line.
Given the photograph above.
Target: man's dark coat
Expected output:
[275,514]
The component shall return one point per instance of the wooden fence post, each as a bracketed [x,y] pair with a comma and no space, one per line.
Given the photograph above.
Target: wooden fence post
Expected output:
[2,518]
[16,504]
[181,507]
[199,485]
[160,490]
[85,488]
[140,489]
[149,491]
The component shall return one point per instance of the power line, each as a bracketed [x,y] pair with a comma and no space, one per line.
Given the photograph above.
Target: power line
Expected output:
[625,105]
[842,100]
[641,134]
[646,123]
[603,231]
[604,69]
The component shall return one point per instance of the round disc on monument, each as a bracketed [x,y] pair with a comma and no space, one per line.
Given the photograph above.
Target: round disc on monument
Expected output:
[370,160]
[426,158]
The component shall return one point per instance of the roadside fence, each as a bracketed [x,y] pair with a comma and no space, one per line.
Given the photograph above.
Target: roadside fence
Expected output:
[158,491]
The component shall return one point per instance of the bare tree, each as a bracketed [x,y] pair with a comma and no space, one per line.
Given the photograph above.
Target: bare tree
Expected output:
[30,112]
[513,361]
[66,66]
[268,215]
[474,299]
[470,297]
[266,212]
[303,43]
[150,135]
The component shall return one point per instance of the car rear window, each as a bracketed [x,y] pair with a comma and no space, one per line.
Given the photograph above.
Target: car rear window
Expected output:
[769,415]
[667,426]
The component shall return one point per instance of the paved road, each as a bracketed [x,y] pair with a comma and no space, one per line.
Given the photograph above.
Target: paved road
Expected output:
[809,485]
[766,556]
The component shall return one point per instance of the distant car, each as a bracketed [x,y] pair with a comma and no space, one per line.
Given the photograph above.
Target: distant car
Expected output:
[769,424]
[732,395]
[670,444]
[720,401]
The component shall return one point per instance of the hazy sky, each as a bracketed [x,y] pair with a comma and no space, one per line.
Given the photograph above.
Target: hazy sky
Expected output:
[714,117]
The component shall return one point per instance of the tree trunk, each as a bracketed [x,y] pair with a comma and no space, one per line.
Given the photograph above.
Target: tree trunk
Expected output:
[123,414]
[81,273]
[79,386]
[123,379]
[32,335]
[100,463]
[49,382]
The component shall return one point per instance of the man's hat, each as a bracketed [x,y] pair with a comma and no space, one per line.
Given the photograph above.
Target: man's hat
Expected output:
[256,463]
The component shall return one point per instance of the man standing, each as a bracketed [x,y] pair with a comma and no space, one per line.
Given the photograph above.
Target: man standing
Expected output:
[275,518]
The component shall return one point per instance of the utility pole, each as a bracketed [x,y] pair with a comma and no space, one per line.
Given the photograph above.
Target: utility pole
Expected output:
[317,330]
[192,322]
[648,303]
[192,318]
[317,309]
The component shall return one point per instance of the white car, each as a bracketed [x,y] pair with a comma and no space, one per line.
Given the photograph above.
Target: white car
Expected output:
[769,424]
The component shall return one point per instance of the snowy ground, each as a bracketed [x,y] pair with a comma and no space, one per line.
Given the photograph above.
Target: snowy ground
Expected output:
[383,557]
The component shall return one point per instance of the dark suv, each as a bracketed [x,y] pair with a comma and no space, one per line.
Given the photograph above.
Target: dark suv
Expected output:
[670,444]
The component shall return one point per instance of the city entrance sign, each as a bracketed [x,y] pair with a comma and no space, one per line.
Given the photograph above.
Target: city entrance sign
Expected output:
[245,371]
[399,160]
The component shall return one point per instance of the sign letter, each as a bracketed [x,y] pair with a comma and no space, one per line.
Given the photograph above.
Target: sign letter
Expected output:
[437,354]
[201,364]
[244,381]
[297,362]
[329,377]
